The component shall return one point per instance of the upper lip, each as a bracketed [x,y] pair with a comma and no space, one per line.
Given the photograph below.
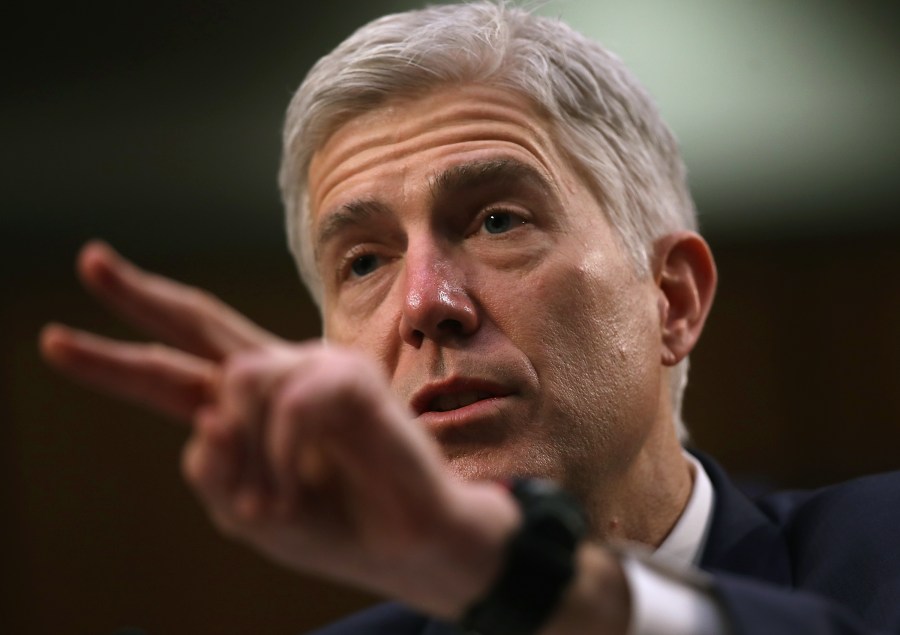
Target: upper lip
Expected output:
[423,400]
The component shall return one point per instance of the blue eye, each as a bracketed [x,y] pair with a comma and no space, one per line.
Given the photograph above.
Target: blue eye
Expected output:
[500,222]
[364,265]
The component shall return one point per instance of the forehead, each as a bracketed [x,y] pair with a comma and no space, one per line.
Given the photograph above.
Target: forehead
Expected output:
[407,143]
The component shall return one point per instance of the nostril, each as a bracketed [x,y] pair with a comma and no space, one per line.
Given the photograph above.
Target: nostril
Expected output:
[451,325]
[437,316]
[416,337]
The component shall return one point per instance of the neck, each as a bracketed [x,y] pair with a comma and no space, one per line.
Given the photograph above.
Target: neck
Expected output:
[648,497]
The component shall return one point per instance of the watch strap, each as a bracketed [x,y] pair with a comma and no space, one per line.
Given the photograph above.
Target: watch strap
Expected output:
[539,563]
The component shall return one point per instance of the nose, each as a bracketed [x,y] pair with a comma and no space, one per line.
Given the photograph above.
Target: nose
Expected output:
[436,304]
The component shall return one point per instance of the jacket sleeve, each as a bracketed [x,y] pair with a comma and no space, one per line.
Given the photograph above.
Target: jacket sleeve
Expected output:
[755,608]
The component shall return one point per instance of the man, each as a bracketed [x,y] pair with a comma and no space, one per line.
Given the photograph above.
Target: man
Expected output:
[495,223]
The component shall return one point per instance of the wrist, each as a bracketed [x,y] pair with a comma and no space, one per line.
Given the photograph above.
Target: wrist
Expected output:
[598,599]
[538,564]
[473,550]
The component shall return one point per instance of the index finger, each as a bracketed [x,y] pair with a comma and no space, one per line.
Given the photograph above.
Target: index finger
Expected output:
[184,316]
[167,380]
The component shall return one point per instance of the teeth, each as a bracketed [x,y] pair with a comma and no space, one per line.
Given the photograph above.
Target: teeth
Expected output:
[456,400]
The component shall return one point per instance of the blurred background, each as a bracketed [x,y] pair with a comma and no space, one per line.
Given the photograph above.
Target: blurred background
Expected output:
[156,127]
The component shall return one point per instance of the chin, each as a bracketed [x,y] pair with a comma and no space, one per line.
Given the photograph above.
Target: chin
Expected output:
[492,464]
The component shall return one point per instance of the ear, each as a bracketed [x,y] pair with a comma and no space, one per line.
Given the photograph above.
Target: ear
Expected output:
[685,274]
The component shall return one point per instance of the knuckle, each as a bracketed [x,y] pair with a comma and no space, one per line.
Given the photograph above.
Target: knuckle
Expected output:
[334,388]
[293,401]
[201,299]
[155,355]
[242,373]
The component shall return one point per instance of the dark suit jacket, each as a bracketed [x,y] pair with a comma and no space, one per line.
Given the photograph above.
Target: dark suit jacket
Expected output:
[820,562]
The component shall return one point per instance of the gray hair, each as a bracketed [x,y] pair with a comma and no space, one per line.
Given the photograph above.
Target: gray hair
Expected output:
[602,119]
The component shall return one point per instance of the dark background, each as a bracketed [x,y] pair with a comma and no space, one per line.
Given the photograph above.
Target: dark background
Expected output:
[156,127]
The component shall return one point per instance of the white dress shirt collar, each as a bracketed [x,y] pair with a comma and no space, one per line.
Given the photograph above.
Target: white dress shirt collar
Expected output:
[685,542]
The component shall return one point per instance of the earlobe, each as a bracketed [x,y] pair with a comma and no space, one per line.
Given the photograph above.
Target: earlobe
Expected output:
[685,275]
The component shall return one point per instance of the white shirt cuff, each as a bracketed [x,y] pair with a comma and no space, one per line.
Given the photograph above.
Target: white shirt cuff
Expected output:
[667,601]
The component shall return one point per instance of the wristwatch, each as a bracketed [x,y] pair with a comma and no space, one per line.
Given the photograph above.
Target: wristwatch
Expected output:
[539,563]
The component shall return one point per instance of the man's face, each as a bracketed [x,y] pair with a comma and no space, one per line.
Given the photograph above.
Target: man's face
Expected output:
[459,249]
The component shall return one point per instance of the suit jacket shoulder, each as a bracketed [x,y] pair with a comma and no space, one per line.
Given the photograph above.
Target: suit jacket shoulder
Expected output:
[823,561]
[845,541]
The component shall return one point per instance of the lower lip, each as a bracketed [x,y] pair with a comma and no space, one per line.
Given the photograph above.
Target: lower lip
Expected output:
[480,411]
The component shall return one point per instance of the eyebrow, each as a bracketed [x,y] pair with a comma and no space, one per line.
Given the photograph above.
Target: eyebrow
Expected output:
[495,172]
[466,176]
[353,213]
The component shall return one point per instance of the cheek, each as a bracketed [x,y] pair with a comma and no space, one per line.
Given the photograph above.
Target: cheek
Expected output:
[594,336]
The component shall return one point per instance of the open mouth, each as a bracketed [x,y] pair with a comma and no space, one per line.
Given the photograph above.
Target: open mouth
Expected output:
[452,401]
[455,395]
